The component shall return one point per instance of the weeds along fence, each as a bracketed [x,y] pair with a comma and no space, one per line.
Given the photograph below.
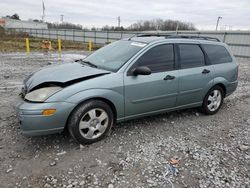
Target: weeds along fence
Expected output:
[239,41]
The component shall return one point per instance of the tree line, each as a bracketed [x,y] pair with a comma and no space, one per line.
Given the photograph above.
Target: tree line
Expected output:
[159,24]
[142,25]
[64,25]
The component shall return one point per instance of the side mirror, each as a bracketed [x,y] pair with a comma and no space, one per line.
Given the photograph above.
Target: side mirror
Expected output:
[142,70]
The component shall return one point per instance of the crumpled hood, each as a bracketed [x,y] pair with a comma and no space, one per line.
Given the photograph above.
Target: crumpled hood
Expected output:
[61,74]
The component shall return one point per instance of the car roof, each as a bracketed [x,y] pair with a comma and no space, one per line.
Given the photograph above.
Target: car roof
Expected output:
[152,38]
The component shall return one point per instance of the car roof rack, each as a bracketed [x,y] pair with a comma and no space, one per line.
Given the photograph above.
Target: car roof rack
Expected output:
[169,36]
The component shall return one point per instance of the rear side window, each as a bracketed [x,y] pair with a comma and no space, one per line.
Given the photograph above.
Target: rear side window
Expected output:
[158,59]
[191,56]
[217,54]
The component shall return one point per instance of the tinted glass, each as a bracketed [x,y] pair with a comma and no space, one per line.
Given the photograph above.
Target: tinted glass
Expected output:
[158,59]
[114,55]
[191,56]
[217,54]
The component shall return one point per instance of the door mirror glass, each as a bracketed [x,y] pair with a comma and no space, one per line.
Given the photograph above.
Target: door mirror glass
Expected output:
[142,70]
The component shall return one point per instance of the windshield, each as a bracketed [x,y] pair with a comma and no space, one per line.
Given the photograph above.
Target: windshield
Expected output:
[114,55]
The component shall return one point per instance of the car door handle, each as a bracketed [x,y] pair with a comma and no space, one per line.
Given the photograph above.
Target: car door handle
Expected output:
[205,71]
[169,77]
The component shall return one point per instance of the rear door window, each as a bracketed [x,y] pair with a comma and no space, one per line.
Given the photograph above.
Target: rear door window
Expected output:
[191,56]
[217,54]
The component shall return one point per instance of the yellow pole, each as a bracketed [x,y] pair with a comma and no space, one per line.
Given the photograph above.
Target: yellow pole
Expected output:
[90,46]
[59,45]
[27,45]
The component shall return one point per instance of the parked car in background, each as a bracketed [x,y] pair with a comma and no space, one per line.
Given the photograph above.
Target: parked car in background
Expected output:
[131,78]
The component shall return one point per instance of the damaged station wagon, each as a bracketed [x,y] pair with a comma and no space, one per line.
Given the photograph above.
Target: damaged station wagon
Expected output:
[143,75]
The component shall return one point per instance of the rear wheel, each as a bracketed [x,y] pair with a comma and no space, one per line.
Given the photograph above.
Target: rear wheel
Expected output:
[90,121]
[213,100]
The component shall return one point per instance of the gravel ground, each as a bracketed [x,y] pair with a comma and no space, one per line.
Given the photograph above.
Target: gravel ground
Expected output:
[179,149]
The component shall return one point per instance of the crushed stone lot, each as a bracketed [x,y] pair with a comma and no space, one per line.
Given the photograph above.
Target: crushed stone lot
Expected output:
[177,149]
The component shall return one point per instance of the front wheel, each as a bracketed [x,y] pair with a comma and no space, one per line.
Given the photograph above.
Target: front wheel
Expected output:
[90,121]
[213,100]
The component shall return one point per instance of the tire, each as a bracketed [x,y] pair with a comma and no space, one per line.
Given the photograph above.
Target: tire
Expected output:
[90,121]
[213,100]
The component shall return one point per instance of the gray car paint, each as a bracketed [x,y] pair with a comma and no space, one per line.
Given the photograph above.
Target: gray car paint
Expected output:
[62,74]
[133,96]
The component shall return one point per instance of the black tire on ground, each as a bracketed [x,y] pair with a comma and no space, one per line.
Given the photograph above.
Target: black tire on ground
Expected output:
[80,111]
[206,102]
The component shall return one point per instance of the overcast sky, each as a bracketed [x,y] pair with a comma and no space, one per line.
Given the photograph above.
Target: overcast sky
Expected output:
[202,13]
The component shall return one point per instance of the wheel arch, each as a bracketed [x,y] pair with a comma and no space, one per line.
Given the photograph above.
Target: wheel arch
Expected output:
[223,88]
[107,101]
[216,84]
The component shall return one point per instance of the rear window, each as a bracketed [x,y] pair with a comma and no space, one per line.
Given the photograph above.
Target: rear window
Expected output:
[191,56]
[217,54]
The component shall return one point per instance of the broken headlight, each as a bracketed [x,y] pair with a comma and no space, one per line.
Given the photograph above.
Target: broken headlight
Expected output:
[40,95]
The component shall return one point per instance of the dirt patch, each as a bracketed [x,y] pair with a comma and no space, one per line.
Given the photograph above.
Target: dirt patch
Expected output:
[11,41]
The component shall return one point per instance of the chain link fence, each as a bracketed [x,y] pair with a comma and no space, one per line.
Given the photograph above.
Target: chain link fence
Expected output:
[239,41]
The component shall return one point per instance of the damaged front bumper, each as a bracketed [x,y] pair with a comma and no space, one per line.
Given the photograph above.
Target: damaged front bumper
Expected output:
[34,123]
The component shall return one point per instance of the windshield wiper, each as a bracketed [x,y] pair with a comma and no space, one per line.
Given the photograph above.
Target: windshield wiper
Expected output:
[87,62]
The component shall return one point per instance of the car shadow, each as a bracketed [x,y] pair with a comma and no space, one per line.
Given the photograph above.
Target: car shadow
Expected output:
[66,142]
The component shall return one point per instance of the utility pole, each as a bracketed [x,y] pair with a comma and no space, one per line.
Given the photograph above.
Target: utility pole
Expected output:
[119,21]
[43,16]
[218,19]
[177,28]
[62,17]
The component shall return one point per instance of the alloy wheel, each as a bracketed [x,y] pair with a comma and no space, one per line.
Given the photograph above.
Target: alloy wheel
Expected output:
[214,100]
[93,123]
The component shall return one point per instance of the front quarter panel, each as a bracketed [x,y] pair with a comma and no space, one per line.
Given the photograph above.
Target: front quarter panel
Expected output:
[109,87]
[113,96]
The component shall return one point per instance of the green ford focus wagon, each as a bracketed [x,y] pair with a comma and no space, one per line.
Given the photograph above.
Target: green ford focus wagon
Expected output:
[143,75]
